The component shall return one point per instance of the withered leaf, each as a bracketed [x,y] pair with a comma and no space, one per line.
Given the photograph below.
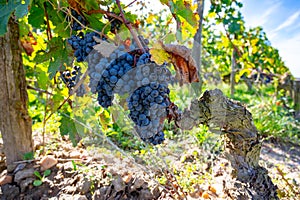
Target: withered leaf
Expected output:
[185,65]
[27,46]
[104,48]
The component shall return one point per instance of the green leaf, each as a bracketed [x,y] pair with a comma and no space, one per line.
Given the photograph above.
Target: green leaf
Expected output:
[63,30]
[57,99]
[54,67]
[131,17]
[36,17]
[24,27]
[47,172]
[91,4]
[234,27]
[58,19]
[38,174]
[94,21]
[226,2]
[37,183]
[5,12]
[7,8]
[22,8]
[41,57]
[67,127]
[3,24]
[185,12]
[42,79]
[170,38]
[59,55]
[74,165]
[28,156]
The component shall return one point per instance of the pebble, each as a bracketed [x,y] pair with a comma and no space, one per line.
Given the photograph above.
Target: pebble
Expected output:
[23,174]
[47,162]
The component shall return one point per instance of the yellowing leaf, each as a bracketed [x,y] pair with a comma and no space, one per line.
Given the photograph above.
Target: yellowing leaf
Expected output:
[105,119]
[211,15]
[158,54]
[250,65]
[254,41]
[225,41]
[188,30]
[241,73]
[270,60]
[254,49]
[150,19]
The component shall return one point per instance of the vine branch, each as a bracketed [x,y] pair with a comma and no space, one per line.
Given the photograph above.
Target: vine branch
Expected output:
[128,25]
[130,3]
[38,90]
[107,13]
[49,35]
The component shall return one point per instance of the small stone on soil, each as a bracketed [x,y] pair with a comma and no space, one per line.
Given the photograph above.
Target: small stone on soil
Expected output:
[84,186]
[26,173]
[25,183]
[5,179]
[48,162]
[118,184]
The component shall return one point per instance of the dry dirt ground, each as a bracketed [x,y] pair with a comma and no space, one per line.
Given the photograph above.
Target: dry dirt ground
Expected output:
[81,173]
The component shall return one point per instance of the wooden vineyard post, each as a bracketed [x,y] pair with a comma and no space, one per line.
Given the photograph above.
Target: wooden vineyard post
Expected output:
[245,178]
[297,98]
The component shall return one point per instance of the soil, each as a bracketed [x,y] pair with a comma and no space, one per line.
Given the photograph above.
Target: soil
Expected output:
[93,173]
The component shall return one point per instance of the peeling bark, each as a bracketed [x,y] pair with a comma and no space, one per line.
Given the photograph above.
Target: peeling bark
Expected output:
[15,123]
[246,179]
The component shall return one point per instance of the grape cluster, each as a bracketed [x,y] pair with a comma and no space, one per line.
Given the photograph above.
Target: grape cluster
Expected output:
[70,78]
[122,77]
[106,74]
[115,24]
[131,71]
[83,44]
[75,25]
[110,76]
[147,107]
[142,74]
[97,64]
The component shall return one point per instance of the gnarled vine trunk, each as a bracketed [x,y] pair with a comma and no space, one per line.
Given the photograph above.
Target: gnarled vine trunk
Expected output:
[15,123]
[246,179]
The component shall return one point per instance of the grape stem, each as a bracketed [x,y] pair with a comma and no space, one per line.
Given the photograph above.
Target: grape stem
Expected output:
[130,3]
[107,13]
[38,90]
[128,25]
[49,35]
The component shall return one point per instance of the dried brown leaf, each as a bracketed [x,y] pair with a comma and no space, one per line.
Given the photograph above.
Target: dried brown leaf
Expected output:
[27,46]
[184,64]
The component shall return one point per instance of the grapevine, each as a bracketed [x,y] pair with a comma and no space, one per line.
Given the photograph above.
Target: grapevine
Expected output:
[127,70]
[131,71]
